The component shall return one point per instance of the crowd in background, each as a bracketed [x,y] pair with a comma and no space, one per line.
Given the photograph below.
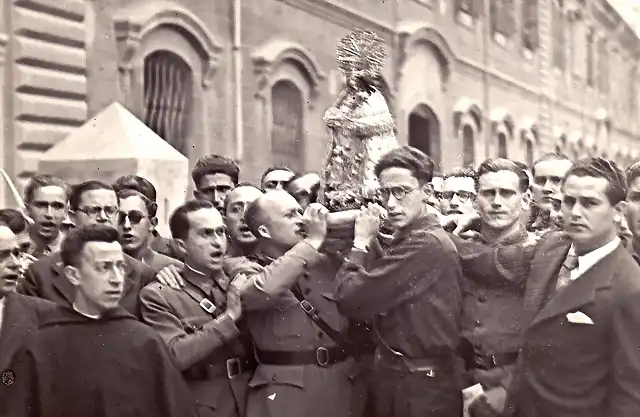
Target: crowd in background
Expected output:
[257,306]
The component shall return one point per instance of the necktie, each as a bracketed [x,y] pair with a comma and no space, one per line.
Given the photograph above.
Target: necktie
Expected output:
[564,276]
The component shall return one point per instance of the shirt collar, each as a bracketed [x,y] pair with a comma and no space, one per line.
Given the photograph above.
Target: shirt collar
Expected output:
[424,222]
[588,260]
[512,237]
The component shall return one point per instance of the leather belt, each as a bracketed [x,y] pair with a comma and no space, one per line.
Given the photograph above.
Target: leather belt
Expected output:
[487,362]
[230,368]
[431,366]
[322,356]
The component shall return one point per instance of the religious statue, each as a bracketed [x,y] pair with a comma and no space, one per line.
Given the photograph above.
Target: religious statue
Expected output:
[360,124]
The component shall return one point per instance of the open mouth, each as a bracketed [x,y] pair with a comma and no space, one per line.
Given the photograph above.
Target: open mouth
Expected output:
[244,230]
[11,277]
[454,211]
[216,255]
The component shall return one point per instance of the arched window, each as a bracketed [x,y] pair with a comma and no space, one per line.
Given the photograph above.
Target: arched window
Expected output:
[287,131]
[168,94]
[529,158]
[468,146]
[502,145]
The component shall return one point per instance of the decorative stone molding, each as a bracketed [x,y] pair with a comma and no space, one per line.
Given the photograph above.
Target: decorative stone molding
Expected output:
[501,119]
[132,23]
[529,131]
[411,34]
[467,106]
[267,58]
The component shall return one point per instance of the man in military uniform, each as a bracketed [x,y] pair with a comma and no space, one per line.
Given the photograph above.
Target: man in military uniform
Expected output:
[491,314]
[200,321]
[305,368]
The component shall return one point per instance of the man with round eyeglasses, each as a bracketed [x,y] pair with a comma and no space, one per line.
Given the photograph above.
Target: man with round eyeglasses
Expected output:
[458,193]
[91,202]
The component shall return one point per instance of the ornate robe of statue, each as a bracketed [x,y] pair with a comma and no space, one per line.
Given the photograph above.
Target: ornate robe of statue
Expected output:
[360,124]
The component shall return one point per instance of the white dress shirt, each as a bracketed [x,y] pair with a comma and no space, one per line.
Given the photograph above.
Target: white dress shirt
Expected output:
[2,303]
[588,260]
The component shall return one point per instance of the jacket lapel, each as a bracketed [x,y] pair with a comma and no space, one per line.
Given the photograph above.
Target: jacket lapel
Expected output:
[60,281]
[14,329]
[544,268]
[132,275]
[582,291]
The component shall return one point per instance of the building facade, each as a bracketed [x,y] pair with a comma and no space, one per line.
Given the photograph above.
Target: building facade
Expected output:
[251,79]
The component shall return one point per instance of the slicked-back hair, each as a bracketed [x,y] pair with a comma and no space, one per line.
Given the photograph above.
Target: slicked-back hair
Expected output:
[79,189]
[461,173]
[137,183]
[179,220]
[43,180]
[76,239]
[13,219]
[242,184]
[633,172]
[407,157]
[502,164]
[550,156]
[275,168]
[602,168]
[152,208]
[214,164]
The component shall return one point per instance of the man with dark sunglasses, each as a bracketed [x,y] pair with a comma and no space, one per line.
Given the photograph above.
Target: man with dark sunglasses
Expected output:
[91,202]
[136,222]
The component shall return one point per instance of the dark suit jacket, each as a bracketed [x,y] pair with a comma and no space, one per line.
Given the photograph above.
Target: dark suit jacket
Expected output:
[45,279]
[568,369]
[20,318]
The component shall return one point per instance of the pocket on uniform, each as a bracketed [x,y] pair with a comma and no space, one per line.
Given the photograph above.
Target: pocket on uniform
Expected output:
[277,391]
[277,375]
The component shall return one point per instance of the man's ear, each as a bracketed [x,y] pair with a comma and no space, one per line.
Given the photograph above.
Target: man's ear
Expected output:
[621,211]
[527,198]
[72,274]
[153,223]
[427,191]
[263,231]
[180,245]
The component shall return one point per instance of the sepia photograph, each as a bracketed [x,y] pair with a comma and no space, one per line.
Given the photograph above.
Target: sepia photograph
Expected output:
[319,208]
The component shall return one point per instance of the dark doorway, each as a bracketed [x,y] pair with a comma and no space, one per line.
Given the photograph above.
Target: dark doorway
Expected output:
[468,147]
[502,146]
[424,132]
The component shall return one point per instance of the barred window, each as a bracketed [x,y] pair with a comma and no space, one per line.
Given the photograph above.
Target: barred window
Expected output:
[502,145]
[502,13]
[591,57]
[287,134]
[529,159]
[468,146]
[530,24]
[558,32]
[603,66]
[168,94]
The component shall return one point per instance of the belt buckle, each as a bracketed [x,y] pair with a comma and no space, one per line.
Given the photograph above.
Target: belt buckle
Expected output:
[234,367]
[306,306]
[207,306]
[322,356]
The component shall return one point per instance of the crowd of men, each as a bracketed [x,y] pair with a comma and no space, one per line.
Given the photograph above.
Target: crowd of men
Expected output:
[501,291]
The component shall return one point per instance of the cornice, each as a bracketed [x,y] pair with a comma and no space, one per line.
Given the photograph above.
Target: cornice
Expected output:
[340,14]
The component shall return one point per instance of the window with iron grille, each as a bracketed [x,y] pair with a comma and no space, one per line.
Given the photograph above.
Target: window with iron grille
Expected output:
[603,67]
[530,24]
[287,132]
[168,94]
[591,57]
[558,32]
